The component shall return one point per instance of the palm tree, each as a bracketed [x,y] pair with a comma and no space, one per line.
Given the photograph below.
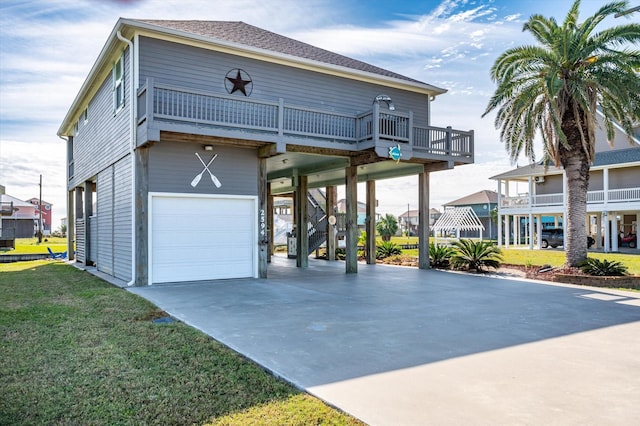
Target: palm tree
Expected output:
[554,88]
[387,227]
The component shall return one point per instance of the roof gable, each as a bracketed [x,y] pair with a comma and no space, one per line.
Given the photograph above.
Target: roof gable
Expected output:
[481,197]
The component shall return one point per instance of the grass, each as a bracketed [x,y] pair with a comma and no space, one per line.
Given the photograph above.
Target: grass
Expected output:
[31,245]
[75,350]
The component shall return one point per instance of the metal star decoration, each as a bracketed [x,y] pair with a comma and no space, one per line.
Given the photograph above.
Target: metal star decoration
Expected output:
[238,83]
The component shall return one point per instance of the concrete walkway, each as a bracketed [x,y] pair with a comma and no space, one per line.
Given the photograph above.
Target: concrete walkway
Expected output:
[402,346]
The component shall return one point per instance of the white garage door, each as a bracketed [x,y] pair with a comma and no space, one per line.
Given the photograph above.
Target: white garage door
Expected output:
[202,238]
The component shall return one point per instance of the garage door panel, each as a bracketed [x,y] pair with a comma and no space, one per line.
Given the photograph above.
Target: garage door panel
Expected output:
[202,238]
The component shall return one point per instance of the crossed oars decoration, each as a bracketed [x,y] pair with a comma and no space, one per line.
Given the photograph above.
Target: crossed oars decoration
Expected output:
[214,179]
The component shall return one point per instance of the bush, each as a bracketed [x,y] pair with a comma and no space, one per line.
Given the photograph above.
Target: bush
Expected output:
[603,268]
[440,255]
[473,255]
[386,249]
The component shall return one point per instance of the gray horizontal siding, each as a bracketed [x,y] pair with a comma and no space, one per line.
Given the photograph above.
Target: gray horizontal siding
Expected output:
[197,68]
[104,138]
[114,209]
[173,166]
[122,211]
[104,216]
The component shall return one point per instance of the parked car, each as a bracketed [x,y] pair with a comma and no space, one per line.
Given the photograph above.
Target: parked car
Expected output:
[554,237]
[630,240]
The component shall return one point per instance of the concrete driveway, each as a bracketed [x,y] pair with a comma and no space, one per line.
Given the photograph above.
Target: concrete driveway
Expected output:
[402,346]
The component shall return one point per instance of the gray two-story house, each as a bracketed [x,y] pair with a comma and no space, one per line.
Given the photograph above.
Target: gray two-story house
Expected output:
[184,131]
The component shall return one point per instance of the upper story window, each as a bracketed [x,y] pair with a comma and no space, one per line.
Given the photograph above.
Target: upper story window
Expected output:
[85,115]
[117,75]
[76,128]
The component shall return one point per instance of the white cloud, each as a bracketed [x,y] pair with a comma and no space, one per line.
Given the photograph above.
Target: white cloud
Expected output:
[48,47]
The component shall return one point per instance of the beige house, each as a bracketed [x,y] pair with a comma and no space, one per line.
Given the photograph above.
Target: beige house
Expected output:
[532,197]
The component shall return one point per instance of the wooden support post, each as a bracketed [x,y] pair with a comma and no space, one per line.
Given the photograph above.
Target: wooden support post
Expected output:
[302,231]
[263,239]
[423,220]
[88,212]
[370,224]
[71,226]
[141,212]
[332,195]
[270,223]
[352,219]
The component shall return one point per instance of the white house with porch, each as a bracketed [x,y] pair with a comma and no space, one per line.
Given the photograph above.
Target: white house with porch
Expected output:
[533,197]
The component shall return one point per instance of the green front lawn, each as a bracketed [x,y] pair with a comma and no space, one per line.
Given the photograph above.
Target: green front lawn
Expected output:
[76,350]
[31,245]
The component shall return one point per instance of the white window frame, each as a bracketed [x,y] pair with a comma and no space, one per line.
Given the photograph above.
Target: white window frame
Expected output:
[85,115]
[117,75]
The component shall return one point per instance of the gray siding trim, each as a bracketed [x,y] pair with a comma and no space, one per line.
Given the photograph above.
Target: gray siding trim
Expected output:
[104,138]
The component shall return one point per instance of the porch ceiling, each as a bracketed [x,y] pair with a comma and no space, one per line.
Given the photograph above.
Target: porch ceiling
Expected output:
[323,170]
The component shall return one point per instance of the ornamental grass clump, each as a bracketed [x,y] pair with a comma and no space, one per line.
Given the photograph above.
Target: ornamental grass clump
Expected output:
[386,249]
[475,256]
[603,268]
[440,255]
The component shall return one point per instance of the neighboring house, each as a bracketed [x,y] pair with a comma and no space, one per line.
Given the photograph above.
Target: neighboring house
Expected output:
[409,220]
[184,131]
[534,196]
[47,213]
[341,208]
[19,218]
[482,203]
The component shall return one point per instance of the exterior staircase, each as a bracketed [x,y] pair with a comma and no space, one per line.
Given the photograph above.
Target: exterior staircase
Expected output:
[317,219]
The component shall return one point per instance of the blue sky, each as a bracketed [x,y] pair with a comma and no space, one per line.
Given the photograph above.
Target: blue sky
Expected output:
[47,48]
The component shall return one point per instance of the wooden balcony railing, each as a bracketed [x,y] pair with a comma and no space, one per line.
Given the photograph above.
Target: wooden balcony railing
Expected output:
[177,104]
[612,196]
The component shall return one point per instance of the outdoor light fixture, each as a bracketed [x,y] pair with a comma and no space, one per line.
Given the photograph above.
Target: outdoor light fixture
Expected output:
[208,147]
[386,99]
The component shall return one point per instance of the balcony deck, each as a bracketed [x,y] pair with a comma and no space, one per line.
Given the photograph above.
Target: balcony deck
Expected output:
[596,201]
[177,109]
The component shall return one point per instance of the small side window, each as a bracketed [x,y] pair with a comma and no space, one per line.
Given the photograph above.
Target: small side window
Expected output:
[85,115]
[118,84]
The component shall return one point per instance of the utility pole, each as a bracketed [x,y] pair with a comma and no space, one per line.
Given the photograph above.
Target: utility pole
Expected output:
[40,213]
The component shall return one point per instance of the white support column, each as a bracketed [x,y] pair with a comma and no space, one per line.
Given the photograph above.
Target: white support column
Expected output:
[539,231]
[599,231]
[507,231]
[499,229]
[607,231]
[531,231]
[615,231]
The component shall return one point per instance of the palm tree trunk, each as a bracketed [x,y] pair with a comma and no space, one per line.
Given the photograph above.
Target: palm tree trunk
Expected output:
[575,238]
[576,165]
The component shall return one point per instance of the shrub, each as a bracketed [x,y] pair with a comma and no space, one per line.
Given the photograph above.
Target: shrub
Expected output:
[387,227]
[603,268]
[386,249]
[440,255]
[472,255]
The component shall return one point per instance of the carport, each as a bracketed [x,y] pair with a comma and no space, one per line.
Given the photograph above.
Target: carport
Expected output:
[397,345]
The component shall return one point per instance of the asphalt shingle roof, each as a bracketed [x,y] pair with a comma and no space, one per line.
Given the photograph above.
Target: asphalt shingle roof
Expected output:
[481,197]
[248,35]
[602,158]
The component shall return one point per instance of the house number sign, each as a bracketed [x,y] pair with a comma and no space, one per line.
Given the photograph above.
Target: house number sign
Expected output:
[263,227]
